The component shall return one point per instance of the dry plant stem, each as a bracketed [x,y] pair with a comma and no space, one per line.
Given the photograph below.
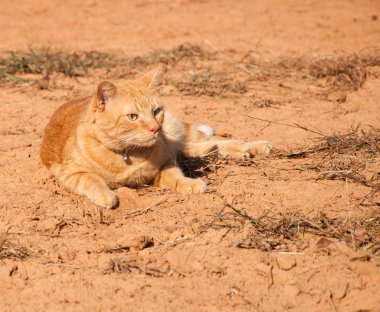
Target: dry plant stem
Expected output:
[286,125]
[271,280]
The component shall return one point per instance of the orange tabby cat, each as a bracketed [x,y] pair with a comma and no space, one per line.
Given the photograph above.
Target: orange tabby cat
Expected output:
[122,136]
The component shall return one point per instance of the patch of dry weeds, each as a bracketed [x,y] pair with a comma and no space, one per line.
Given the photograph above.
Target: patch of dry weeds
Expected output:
[10,249]
[126,265]
[193,70]
[285,231]
[343,156]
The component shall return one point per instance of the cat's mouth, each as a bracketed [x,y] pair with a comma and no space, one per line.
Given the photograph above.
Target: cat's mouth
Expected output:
[152,139]
[148,141]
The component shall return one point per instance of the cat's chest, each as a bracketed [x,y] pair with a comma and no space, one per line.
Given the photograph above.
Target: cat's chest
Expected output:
[137,169]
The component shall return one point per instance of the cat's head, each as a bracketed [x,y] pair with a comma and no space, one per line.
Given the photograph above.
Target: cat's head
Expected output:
[128,115]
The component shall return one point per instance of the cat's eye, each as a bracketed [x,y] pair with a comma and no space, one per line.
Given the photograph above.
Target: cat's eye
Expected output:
[157,111]
[132,117]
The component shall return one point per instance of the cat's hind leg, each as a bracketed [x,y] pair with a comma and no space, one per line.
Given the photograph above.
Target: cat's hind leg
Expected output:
[172,177]
[232,148]
[90,185]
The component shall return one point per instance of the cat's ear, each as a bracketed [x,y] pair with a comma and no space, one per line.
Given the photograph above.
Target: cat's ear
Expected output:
[151,78]
[106,91]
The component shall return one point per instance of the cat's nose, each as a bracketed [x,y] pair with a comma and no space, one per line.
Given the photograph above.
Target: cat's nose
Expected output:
[154,129]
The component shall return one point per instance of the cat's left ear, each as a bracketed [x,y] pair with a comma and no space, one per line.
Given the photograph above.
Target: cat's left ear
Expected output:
[152,77]
[106,91]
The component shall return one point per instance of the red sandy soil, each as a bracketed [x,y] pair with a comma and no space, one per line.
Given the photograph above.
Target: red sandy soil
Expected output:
[77,258]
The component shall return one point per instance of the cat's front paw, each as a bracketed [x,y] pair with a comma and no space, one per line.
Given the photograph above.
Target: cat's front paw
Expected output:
[105,199]
[259,147]
[191,186]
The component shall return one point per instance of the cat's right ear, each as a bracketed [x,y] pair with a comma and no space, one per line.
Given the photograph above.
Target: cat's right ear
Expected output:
[152,77]
[106,91]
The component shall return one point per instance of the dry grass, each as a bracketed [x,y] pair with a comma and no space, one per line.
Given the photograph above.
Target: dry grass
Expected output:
[343,72]
[336,157]
[14,66]
[347,72]
[343,156]
[261,102]
[210,83]
[172,57]
[10,249]
[193,70]
[126,265]
[284,232]
[351,142]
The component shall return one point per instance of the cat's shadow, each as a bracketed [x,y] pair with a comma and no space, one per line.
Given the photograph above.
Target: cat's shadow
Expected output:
[196,167]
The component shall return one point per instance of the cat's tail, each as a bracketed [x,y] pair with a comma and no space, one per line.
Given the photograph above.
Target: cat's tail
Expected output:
[197,132]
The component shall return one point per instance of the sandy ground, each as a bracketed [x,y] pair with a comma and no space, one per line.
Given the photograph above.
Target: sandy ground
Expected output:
[167,252]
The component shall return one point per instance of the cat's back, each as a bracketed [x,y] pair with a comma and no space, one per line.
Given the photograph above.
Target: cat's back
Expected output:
[61,126]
